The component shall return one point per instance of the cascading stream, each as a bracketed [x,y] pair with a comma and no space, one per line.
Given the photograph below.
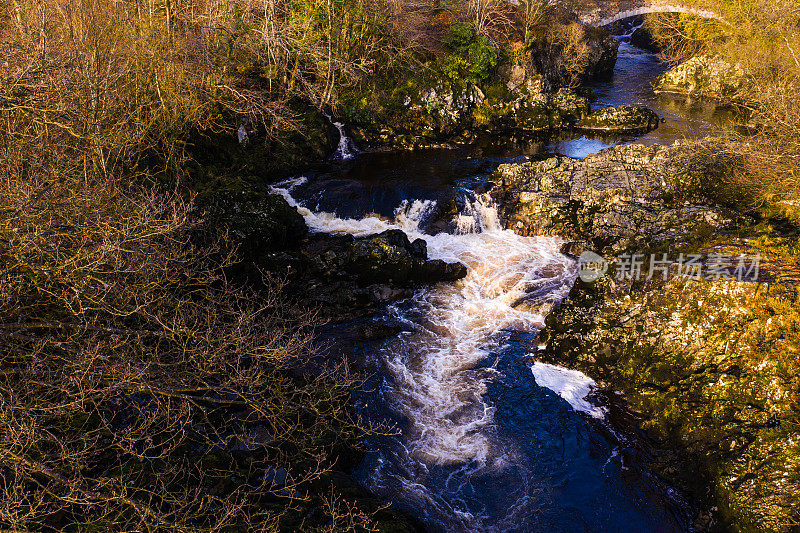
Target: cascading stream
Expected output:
[346,148]
[436,381]
[457,325]
[491,439]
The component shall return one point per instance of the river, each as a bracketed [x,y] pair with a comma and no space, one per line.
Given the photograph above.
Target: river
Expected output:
[489,439]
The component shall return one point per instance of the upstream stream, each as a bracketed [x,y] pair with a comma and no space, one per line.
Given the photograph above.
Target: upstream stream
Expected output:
[489,439]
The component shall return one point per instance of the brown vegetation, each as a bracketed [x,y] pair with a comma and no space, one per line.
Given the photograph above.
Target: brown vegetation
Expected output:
[761,38]
[140,389]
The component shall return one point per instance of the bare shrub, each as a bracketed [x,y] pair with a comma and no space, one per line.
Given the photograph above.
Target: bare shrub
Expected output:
[139,389]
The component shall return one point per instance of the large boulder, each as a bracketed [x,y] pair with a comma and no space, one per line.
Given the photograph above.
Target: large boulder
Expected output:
[621,119]
[529,108]
[345,275]
[706,76]
[256,222]
[391,257]
[618,197]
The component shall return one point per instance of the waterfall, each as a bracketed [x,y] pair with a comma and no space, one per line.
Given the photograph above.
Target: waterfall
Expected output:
[346,148]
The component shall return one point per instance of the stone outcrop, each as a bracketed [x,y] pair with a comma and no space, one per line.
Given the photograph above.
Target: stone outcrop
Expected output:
[703,76]
[620,197]
[621,119]
[349,276]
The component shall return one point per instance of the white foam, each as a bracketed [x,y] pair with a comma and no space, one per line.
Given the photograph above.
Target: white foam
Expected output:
[571,385]
[436,384]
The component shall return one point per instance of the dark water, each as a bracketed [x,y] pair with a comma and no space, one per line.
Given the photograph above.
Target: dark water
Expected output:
[682,117]
[522,457]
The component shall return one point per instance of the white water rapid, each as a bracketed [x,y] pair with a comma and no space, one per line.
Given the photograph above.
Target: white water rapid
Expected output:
[435,382]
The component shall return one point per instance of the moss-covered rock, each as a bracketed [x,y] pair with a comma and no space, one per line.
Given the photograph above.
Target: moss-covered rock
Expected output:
[620,197]
[705,76]
[391,257]
[621,119]
[345,276]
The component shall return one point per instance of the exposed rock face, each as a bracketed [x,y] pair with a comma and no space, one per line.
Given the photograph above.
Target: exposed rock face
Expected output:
[703,361]
[705,76]
[619,197]
[529,108]
[443,113]
[622,119]
[391,257]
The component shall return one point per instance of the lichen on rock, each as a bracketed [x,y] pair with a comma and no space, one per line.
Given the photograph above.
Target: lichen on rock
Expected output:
[619,197]
[620,119]
[704,75]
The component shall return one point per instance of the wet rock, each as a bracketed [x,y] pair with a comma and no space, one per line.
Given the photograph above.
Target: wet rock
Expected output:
[705,76]
[390,256]
[621,119]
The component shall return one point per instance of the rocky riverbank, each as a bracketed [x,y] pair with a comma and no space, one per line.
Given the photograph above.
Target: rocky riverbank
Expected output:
[338,275]
[531,88]
[623,197]
[708,363]
[703,76]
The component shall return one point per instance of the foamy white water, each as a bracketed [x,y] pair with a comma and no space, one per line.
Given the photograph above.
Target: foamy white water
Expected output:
[571,385]
[436,382]
[346,148]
